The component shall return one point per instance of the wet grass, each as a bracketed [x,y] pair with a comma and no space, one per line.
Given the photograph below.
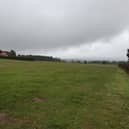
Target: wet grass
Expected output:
[46,95]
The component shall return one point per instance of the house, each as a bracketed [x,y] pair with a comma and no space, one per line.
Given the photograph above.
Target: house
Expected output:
[4,53]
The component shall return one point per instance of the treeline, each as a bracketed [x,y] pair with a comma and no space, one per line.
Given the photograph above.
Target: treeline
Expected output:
[17,58]
[38,58]
[31,58]
[95,62]
[12,55]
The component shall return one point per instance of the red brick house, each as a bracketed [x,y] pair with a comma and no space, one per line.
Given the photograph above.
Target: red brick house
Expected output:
[4,53]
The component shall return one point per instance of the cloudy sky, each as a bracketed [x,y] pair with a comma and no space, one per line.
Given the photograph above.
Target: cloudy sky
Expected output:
[86,29]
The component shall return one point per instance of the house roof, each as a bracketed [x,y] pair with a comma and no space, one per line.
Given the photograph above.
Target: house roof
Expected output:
[4,53]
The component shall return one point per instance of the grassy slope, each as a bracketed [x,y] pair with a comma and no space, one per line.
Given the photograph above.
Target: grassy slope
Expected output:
[75,96]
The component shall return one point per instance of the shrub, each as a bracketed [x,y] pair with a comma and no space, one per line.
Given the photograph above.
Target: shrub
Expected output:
[124,66]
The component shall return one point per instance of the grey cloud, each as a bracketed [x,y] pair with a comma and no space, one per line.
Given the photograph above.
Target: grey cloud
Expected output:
[35,24]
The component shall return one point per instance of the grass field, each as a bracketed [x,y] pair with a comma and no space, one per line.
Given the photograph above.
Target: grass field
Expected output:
[46,95]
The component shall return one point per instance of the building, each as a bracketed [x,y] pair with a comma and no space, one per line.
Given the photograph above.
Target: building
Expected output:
[4,53]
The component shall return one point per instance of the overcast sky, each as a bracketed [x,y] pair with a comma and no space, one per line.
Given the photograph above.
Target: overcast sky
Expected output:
[86,29]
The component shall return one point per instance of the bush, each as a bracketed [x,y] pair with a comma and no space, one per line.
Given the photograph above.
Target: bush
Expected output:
[125,66]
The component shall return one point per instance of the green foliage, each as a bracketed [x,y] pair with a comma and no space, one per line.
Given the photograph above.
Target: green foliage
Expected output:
[47,95]
[12,53]
[128,54]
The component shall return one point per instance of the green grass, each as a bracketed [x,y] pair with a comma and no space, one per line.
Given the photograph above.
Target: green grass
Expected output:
[74,96]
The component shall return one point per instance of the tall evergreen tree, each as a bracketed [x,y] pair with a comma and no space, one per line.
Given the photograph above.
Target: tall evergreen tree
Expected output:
[12,53]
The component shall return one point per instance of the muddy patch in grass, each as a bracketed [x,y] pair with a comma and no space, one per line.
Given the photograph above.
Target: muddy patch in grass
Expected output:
[5,119]
[38,100]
